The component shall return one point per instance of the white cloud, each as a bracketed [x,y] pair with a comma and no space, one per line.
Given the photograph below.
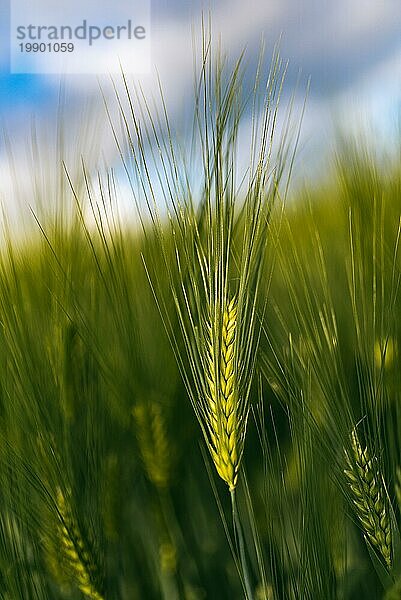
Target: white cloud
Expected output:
[352,45]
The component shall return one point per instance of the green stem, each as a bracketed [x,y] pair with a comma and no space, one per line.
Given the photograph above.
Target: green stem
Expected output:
[189,566]
[241,544]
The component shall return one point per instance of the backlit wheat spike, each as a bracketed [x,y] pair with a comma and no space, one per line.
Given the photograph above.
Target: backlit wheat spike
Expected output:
[369,497]
[75,557]
[223,419]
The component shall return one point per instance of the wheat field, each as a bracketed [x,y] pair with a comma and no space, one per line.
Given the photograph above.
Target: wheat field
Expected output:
[205,405]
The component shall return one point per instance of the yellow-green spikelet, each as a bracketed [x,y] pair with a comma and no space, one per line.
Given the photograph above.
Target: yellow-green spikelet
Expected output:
[222,418]
[76,559]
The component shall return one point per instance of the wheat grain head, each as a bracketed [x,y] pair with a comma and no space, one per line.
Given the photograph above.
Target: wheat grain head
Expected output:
[224,422]
[74,556]
[369,497]
[153,441]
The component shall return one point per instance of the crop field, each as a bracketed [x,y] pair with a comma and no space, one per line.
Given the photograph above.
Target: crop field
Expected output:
[207,404]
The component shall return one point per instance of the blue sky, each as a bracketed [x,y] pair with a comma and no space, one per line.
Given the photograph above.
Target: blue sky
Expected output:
[336,43]
[351,50]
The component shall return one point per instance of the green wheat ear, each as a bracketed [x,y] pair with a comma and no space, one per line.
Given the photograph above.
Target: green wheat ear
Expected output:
[74,558]
[153,441]
[226,431]
[369,498]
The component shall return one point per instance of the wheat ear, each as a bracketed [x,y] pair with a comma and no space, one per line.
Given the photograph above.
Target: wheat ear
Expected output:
[225,427]
[154,445]
[76,559]
[369,498]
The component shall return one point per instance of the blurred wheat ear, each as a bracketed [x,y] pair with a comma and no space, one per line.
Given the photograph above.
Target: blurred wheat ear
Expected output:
[154,443]
[74,558]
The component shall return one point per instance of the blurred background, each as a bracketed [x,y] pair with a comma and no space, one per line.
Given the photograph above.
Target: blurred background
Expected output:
[350,50]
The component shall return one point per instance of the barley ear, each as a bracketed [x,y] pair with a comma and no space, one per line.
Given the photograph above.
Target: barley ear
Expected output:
[369,498]
[225,426]
[75,558]
[153,441]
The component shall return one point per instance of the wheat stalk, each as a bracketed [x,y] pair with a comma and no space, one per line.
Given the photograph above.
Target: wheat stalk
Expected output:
[75,557]
[397,485]
[225,427]
[369,497]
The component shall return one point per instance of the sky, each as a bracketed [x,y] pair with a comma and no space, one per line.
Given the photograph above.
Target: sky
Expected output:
[349,49]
